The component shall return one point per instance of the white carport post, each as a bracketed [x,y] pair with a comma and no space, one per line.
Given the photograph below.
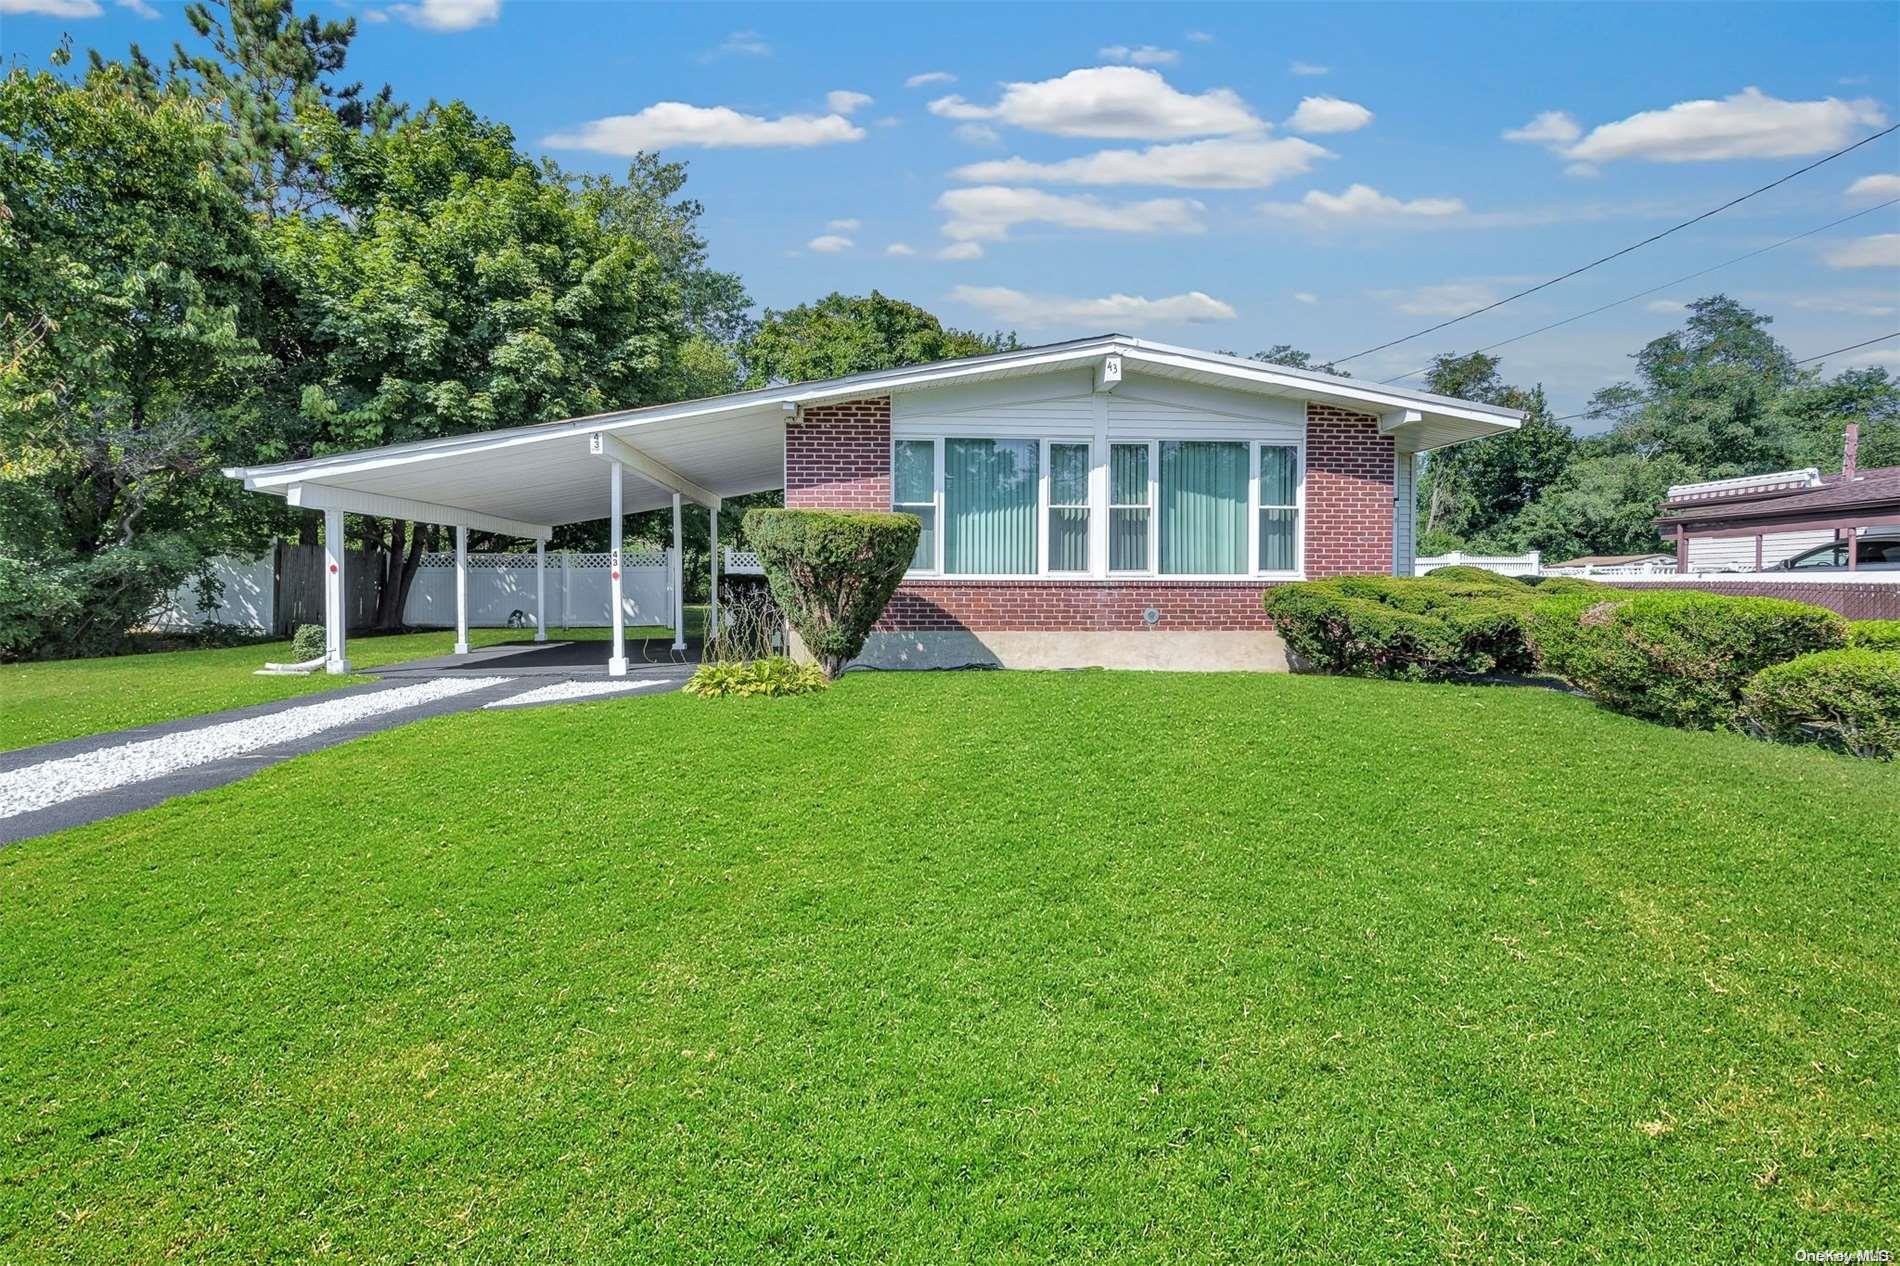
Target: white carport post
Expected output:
[617,665]
[540,591]
[679,581]
[461,590]
[712,612]
[336,657]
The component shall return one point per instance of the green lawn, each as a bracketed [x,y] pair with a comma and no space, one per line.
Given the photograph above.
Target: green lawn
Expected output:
[62,699]
[971,967]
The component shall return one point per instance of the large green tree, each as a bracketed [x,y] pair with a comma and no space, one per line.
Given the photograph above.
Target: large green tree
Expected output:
[1470,493]
[853,334]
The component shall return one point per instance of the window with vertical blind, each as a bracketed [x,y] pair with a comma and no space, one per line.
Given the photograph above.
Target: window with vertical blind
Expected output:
[1006,506]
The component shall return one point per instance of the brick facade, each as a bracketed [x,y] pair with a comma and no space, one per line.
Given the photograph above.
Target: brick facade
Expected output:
[1349,473]
[837,457]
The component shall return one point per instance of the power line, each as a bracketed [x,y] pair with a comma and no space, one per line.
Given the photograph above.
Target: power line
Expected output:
[1806,360]
[1665,286]
[1656,237]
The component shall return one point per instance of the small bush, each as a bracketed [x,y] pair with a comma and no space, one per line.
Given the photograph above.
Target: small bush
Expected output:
[1411,629]
[1465,574]
[1682,658]
[1848,700]
[1874,635]
[1552,586]
[767,678]
[307,643]
[832,572]
[69,608]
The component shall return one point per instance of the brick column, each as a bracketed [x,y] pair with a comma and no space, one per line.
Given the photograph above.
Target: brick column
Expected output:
[838,456]
[1349,473]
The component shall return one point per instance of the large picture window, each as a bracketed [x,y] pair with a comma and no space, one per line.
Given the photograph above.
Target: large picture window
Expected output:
[989,507]
[1203,508]
[996,506]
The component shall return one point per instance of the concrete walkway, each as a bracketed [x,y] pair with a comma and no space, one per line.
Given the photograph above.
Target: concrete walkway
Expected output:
[77,781]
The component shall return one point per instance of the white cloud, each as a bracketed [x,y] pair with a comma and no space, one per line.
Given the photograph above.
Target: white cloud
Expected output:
[674,123]
[1445,299]
[1212,164]
[139,7]
[1882,250]
[976,134]
[1144,55]
[1873,358]
[1880,186]
[53,8]
[1848,305]
[1306,296]
[1113,102]
[1749,124]
[842,102]
[900,248]
[1308,69]
[930,77]
[1552,127]
[448,15]
[830,244]
[961,250]
[1582,171]
[1666,307]
[1000,303]
[844,226]
[1200,37]
[1328,114]
[987,213]
[746,43]
[1362,203]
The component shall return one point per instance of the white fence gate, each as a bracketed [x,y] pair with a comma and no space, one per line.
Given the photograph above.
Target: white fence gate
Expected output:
[579,589]
[1502,564]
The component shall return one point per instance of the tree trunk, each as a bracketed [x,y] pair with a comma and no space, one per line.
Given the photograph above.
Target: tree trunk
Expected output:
[389,595]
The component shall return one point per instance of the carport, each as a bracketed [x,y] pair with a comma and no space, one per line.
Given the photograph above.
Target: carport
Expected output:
[526,481]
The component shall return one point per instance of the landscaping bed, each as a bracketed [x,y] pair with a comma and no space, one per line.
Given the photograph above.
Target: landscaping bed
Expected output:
[971,967]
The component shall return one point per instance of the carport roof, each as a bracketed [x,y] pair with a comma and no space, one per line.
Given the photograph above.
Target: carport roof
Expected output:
[526,480]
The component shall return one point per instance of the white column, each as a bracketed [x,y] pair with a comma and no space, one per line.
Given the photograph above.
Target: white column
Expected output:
[617,665]
[540,591]
[712,612]
[679,581]
[336,658]
[461,591]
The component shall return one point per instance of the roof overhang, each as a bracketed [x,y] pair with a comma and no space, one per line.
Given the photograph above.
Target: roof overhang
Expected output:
[526,480]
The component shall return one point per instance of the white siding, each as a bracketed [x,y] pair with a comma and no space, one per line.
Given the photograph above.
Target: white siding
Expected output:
[1404,515]
[1737,553]
[1059,406]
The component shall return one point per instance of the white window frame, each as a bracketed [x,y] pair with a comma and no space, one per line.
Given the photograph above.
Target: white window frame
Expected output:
[1045,503]
[1101,503]
[936,499]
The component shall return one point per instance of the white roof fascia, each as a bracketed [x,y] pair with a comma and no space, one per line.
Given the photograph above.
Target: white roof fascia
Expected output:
[610,447]
[314,496]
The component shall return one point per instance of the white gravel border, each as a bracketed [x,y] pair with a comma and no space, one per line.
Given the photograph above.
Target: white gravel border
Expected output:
[50,782]
[565,690]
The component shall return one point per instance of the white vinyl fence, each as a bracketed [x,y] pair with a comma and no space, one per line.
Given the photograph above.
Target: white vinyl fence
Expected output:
[579,587]
[1502,564]
[249,599]
[1649,567]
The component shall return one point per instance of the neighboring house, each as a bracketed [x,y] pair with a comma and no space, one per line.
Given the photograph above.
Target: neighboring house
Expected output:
[1105,501]
[1755,522]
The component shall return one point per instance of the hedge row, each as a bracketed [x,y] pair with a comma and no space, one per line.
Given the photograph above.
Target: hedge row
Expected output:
[1848,700]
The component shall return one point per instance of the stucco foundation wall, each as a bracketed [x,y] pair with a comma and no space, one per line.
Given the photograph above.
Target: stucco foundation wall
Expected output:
[1187,651]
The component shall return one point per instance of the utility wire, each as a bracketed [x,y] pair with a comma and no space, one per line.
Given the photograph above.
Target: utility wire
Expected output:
[1653,289]
[1806,360]
[1654,237]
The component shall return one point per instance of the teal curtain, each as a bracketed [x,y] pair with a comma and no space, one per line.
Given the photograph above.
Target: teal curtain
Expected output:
[1203,507]
[1068,507]
[1279,521]
[914,492]
[1128,528]
[989,491]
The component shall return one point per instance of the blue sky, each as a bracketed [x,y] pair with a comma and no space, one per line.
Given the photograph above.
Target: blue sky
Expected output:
[1161,170]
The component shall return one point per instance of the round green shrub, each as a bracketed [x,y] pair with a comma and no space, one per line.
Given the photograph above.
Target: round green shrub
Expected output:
[307,643]
[1552,586]
[1848,700]
[1412,629]
[1683,657]
[1465,574]
[1874,635]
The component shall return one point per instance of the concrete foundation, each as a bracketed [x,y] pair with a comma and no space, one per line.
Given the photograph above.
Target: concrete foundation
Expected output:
[1179,651]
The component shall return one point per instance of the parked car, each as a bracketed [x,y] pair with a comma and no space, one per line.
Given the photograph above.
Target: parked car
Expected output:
[1876,552]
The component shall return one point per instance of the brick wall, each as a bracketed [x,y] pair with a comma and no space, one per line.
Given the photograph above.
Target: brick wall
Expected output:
[1348,494]
[838,457]
[1871,601]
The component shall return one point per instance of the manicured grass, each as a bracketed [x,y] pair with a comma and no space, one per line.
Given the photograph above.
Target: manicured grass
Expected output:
[62,699]
[945,967]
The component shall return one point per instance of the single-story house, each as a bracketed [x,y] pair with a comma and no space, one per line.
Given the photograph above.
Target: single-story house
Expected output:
[1588,563]
[1752,522]
[1104,501]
